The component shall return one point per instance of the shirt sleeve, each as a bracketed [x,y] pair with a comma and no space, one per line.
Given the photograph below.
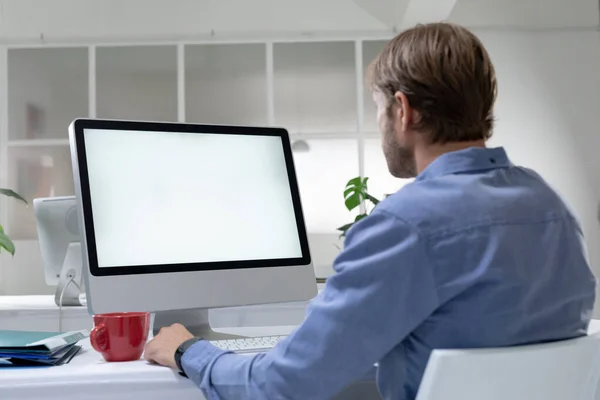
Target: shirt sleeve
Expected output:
[382,290]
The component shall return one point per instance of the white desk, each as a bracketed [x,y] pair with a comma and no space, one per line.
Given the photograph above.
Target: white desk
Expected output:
[89,377]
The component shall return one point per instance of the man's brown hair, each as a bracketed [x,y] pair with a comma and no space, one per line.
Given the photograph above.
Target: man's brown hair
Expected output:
[447,77]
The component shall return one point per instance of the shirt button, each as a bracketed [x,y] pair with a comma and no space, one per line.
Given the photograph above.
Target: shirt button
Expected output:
[493,160]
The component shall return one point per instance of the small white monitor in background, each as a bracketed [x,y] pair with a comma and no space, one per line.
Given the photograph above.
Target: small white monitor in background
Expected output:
[57,226]
[182,216]
[59,239]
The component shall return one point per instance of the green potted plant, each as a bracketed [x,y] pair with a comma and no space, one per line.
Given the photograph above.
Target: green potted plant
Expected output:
[5,242]
[356,192]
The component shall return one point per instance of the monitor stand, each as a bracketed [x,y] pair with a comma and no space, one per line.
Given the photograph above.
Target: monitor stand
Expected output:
[196,321]
[69,283]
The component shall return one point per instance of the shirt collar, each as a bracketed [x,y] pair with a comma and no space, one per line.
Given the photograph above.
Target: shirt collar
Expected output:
[468,160]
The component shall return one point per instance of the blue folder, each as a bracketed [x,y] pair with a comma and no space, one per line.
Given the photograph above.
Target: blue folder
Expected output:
[42,343]
[31,349]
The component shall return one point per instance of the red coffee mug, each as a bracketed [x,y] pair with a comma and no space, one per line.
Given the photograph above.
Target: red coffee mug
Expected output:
[120,336]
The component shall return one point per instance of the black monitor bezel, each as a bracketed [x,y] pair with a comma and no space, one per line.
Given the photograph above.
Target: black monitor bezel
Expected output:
[86,203]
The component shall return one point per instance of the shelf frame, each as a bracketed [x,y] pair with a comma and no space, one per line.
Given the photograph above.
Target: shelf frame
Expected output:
[359,134]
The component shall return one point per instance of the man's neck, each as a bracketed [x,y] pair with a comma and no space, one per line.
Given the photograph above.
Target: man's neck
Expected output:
[427,153]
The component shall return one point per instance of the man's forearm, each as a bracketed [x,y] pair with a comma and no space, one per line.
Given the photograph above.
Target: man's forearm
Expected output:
[222,375]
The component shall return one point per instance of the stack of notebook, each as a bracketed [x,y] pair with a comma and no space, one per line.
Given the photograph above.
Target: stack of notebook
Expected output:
[38,349]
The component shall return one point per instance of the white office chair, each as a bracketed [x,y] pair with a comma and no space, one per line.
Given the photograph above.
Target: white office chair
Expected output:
[566,370]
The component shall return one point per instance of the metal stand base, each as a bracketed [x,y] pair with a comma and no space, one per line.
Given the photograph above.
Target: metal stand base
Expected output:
[69,283]
[196,321]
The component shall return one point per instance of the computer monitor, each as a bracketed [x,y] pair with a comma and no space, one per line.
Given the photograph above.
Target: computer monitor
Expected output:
[58,234]
[184,216]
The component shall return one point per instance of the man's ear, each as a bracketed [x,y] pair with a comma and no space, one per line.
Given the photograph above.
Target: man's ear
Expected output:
[406,114]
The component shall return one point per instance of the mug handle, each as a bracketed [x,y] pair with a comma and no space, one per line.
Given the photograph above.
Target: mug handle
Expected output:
[99,338]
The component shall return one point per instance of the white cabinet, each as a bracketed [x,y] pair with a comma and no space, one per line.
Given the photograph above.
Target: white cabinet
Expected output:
[310,87]
[226,84]
[47,89]
[315,87]
[137,83]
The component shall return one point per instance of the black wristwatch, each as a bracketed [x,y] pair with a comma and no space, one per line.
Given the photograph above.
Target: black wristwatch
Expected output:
[182,349]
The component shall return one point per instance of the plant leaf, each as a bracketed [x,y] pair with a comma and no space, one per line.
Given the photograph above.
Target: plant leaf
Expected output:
[354,181]
[11,193]
[6,243]
[355,192]
[359,217]
[353,201]
[345,228]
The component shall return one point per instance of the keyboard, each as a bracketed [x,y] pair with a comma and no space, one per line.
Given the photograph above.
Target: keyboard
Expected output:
[248,345]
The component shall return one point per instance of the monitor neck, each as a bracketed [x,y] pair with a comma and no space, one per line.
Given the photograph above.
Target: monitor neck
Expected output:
[197,321]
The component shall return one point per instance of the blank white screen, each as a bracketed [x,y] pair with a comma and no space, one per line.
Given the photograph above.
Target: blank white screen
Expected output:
[171,198]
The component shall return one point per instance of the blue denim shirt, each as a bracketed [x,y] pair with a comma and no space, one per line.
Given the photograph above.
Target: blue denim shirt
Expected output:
[474,253]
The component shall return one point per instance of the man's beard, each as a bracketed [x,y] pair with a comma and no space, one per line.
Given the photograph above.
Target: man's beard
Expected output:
[400,160]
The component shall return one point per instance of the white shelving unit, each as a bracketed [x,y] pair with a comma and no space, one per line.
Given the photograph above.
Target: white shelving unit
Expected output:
[137,82]
[313,87]
[226,84]
[370,50]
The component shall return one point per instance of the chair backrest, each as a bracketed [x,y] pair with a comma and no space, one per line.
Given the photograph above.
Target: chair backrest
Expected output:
[565,370]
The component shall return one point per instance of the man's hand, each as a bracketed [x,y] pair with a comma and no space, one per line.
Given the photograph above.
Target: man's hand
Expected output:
[161,350]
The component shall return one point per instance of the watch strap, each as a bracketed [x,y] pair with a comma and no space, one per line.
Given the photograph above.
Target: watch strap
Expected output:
[182,349]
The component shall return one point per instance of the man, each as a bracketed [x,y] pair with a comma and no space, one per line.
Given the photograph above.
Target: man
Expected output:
[475,253]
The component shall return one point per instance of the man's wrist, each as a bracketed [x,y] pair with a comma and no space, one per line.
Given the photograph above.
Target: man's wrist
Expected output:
[182,349]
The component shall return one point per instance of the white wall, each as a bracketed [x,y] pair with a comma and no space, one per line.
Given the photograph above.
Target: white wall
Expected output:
[506,14]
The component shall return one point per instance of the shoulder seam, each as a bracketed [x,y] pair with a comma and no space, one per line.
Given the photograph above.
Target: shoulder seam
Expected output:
[495,222]
[423,243]
[397,217]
